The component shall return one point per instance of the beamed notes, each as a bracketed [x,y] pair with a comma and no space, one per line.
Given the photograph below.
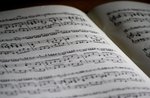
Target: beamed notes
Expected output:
[135,24]
[57,52]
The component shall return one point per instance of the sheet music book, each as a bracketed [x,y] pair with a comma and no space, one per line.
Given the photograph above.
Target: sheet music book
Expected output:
[58,51]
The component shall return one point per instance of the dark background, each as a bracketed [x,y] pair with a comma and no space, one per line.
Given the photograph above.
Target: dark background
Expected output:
[84,5]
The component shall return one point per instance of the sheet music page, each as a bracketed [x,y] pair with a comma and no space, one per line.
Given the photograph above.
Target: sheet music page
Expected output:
[57,52]
[128,24]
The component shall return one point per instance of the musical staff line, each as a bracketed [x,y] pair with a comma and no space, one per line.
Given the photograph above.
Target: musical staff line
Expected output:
[83,81]
[126,69]
[44,35]
[52,40]
[125,18]
[127,9]
[73,60]
[20,17]
[137,95]
[41,24]
[50,43]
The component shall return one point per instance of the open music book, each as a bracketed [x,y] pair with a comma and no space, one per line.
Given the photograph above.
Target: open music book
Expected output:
[58,52]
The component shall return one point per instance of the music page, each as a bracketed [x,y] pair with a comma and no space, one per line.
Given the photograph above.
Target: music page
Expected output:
[58,52]
[128,25]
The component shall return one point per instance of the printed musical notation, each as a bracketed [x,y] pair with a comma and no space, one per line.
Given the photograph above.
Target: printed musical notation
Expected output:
[26,47]
[126,70]
[123,95]
[67,61]
[130,15]
[41,24]
[66,83]
[135,23]
[131,95]
[128,12]
[37,15]
[44,35]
